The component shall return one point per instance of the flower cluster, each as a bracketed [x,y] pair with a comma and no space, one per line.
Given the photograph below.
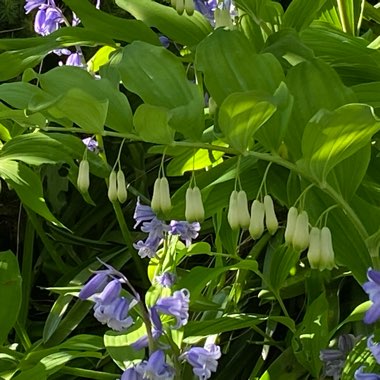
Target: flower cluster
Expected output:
[110,307]
[49,18]
[157,229]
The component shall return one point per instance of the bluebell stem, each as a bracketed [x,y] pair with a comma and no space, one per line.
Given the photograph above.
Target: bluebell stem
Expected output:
[114,314]
[372,288]
[374,347]
[186,231]
[155,368]
[176,305]
[204,360]
[156,331]
[334,359]
[166,279]
[360,375]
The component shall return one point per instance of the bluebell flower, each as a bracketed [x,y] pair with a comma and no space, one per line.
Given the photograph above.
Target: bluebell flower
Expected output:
[109,294]
[148,248]
[165,42]
[33,4]
[95,285]
[204,360]
[131,374]
[47,20]
[142,213]
[166,279]
[372,288]
[360,375]
[74,59]
[186,231]
[155,228]
[91,144]
[374,347]
[176,305]
[155,368]
[334,359]
[207,8]
[114,314]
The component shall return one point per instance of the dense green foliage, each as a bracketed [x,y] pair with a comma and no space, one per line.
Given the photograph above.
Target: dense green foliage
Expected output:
[286,103]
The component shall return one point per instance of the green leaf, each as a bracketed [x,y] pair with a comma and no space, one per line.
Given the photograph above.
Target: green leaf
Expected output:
[314,86]
[241,115]
[159,78]
[331,137]
[152,124]
[38,372]
[27,186]
[312,335]
[301,13]
[110,26]
[10,292]
[184,29]
[226,73]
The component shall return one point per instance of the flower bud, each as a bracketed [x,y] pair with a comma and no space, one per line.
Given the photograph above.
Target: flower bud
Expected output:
[233,212]
[121,187]
[327,250]
[301,232]
[270,216]
[155,203]
[180,6]
[83,181]
[314,251]
[291,225]
[243,212]
[112,187]
[165,202]
[189,7]
[256,225]
[194,206]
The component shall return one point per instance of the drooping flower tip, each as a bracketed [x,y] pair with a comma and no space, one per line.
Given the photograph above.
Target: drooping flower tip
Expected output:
[95,285]
[204,360]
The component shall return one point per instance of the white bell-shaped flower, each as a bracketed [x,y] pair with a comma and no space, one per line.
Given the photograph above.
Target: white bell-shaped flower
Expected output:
[194,211]
[233,212]
[291,225]
[271,221]
[121,187]
[242,204]
[314,251]
[301,233]
[327,260]
[83,180]
[256,225]
[112,187]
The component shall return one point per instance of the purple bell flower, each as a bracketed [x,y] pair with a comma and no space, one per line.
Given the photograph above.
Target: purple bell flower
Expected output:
[91,144]
[360,375]
[186,231]
[155,368]
[207,8]
[166,279]
[176,305]
[374,347]
[148,248]
[74,59]
[110,293]
[114,315]
[47,20]
[372,288]
[95,285]
[33,4]
[131,374]
[142,213]
[204,360]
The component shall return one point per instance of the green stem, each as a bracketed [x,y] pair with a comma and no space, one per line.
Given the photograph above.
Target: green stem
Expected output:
[343,16]
[23,336]
[129,242]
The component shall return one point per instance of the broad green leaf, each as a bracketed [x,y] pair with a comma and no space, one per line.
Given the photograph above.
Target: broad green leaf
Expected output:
[19,117]
[38,372]
[10,292]
[18,94]
[100,58]
[152,124]
[119,346]
[26,53]
[301,13]
[187,30]
[159,78]
[226,73]
[110,26]
[62,80]
[368,93]
[314,85]
[27,186]
[312,335]
[330,137]
[241,115]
